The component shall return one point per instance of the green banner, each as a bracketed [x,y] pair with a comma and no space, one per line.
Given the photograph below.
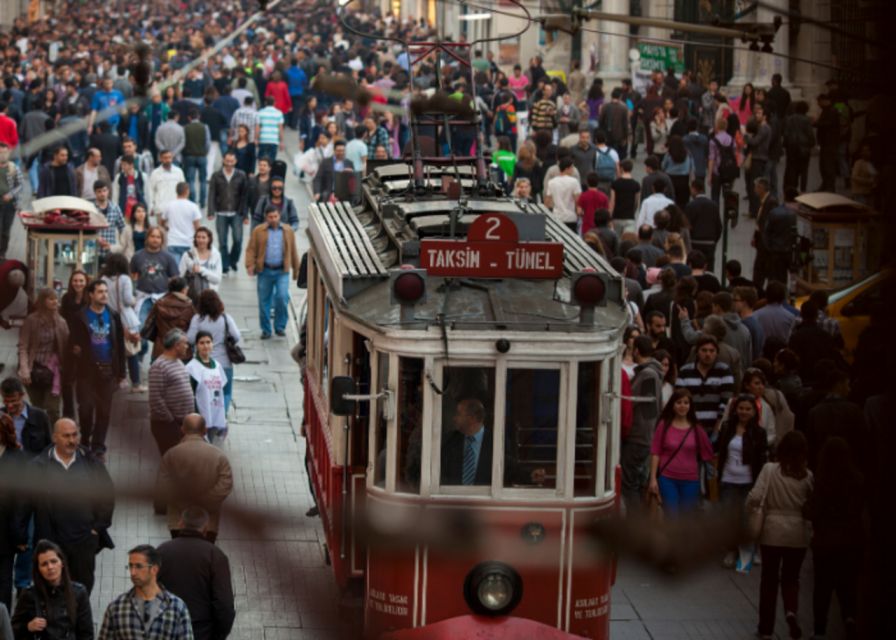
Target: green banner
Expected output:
[659,57]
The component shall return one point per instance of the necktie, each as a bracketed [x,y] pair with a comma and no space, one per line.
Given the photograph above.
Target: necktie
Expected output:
[469,460]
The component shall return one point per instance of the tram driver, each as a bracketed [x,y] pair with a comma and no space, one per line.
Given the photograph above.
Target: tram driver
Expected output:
[467,451]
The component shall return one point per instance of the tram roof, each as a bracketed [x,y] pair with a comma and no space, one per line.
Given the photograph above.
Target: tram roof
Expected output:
[358,246]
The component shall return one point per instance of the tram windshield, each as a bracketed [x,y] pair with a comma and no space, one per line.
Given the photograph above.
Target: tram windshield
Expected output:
[467,426]
[530,430]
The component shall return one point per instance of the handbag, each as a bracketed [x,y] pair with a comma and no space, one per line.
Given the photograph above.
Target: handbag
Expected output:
[234,351]
[131,348]
[41,376]
[196,282]
[756,515]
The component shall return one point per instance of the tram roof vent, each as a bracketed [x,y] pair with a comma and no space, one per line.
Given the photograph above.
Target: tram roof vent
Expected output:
[346,251]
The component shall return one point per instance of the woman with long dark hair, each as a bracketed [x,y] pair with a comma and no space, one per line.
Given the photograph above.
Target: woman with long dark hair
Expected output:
[743,450]
[680,167]
[745,104]
[781,492]
[43,344]
[679,446]
[628,339]
[595,100]
[670,372]
[835,510]
[53,607]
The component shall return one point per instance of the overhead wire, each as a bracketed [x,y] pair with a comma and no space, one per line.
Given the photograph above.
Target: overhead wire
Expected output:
[733,47]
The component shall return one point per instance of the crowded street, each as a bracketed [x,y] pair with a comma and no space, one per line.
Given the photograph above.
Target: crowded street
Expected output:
[257,346]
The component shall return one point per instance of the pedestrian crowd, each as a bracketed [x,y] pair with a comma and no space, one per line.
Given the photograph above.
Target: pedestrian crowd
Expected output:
[167,176]
[750,398]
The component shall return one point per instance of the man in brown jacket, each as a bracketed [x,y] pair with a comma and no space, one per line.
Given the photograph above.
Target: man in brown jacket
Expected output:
[194,473]
[270,256]
[174,310]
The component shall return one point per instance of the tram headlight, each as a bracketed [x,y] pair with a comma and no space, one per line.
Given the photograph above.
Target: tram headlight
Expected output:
[493,589]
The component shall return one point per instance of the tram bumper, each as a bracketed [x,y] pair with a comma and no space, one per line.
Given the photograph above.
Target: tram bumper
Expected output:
[475,627]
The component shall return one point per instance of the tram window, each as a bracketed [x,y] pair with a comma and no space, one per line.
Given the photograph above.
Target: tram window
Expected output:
[530,432]
[325,349]
[410,425]
[587,425]
[379,463]
[467,410]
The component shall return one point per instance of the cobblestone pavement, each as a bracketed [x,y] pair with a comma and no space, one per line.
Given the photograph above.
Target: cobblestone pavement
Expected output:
[284,589]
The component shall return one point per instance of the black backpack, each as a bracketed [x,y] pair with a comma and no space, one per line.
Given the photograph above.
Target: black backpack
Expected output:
[728,169]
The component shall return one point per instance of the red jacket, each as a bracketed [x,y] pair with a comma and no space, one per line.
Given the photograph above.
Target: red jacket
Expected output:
[280,91]
[9,133]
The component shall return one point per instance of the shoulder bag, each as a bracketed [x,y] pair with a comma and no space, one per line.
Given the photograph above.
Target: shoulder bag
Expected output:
[756,514]
[654,505]
[131,348]
[234,352]
[196,282]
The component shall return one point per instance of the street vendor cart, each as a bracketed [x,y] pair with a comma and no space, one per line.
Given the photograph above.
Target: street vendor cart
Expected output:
[61,234]
[845,238]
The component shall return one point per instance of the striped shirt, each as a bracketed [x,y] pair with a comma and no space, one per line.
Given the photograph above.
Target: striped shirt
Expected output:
[269,119]
[711,393]
[170,392]
[116,224]
[247,116]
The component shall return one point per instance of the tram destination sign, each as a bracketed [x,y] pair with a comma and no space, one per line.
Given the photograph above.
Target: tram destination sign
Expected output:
[492,249]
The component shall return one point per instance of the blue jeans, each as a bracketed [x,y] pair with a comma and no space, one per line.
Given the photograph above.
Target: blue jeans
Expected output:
[192,164]
[273,288]
[23,563]
[134,368]
[177,251]
[228,388]
[230,258]
[267,151]
[679,495]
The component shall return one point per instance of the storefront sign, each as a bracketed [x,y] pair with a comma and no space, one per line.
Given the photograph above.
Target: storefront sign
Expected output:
[492,250]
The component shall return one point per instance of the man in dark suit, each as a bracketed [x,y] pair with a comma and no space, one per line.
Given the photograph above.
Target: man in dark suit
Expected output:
[32,424]
[767,202]
[325,179]
[706,223]
[467,451]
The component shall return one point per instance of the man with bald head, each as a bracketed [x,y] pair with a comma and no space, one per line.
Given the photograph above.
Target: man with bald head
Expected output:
[194,473]
[75,509]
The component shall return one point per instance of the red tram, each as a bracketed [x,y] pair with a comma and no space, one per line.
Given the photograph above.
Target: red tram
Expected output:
[512,324]
[462,383]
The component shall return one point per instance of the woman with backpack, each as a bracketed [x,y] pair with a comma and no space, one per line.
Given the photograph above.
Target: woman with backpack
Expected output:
[679,166]
[679,447]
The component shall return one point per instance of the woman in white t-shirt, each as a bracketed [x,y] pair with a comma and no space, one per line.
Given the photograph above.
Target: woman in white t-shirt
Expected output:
[208,379]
